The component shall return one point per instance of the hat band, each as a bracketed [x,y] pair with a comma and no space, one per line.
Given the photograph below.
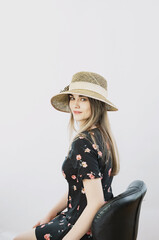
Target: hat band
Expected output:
[88,86]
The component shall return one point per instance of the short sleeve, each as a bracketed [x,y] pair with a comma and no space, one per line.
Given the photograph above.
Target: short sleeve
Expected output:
[84,154]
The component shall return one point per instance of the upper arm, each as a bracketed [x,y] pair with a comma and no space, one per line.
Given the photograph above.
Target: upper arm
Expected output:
[94,191]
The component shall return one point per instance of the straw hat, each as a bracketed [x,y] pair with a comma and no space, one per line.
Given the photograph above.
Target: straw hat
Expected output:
[88,84]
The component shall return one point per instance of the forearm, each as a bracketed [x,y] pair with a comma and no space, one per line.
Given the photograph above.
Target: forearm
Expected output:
[84,222]
[60,206]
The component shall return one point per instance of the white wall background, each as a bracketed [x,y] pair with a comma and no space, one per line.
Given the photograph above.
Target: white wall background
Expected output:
[42,44]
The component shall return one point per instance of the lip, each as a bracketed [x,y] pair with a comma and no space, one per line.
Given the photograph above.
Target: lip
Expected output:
[76,112]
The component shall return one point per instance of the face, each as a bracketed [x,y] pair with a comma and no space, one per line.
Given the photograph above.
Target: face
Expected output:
[80,107]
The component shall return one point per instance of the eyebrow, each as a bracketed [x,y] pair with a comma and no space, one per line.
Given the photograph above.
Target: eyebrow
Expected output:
[79,95]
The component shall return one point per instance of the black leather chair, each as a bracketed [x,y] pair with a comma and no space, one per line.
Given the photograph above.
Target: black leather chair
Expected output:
[118,219]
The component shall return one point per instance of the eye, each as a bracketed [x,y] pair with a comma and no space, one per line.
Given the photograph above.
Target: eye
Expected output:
[83,99]
[71,97]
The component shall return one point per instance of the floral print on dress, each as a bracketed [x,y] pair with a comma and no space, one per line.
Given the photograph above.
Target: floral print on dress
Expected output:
[100,153]
[109,172]
[84,161]
[73,177]
[82,191]
[91,176]
[95,146]
[87,150]
[78,157]
[50,223]
[47,236]
[89,233]
[84,164]
[42,225]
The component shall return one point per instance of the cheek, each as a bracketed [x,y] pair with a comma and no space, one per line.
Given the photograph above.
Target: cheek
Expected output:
[89,109]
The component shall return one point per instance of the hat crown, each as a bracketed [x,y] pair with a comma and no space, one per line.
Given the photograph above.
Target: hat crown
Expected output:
[90,77]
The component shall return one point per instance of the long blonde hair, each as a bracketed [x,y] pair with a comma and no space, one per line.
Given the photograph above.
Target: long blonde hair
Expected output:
[99,118]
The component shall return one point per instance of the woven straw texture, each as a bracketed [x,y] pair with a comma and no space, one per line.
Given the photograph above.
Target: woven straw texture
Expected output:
[91,78]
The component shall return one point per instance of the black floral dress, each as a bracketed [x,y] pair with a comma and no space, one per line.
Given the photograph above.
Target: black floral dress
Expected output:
[84,161]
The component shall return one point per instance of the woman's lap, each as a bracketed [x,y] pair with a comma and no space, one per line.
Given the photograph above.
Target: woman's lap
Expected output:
[54,230]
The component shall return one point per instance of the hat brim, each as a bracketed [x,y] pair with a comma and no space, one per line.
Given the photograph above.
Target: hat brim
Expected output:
[60,101]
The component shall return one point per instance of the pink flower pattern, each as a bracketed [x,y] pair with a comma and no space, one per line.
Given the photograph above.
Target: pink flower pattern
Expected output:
[42,225]
[89,232]
[78,157]
[100,153]
[91,176]
[47,236]
[83,164]
[70,206]
[95,146]
[109,172]
[87,150]
[73,177]
[82,191]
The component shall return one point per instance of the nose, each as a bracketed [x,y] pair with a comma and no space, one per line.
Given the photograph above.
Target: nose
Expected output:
[76,103]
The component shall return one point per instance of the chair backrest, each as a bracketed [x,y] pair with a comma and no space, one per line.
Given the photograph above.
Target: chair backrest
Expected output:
[118,218]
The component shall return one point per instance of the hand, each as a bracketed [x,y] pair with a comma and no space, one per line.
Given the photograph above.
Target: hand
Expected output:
[42,221]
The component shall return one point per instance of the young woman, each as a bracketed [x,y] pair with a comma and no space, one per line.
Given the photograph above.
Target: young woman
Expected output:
[90,165]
